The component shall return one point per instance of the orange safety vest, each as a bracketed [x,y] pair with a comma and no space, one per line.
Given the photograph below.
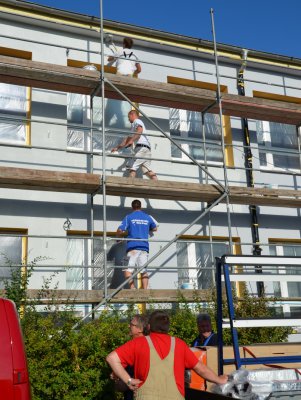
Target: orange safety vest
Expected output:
[192,379]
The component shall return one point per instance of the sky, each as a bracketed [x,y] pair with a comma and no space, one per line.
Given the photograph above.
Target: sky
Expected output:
[266,25]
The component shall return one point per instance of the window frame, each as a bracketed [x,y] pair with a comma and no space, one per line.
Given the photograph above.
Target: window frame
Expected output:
[226,120]
[279,244]
[24,244]
[217,239]
[26,55]
[269,155]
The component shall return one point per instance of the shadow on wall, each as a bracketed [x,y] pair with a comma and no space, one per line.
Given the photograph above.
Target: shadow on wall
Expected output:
[115,257]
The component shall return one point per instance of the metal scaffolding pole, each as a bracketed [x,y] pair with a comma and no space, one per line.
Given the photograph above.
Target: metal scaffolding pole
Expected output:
[91,195]
[219,100]
[104,204]
[206,180]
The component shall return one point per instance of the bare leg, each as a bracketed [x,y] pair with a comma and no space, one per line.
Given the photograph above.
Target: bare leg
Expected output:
[132,174]
[144,280]
[152,175]
[127,275]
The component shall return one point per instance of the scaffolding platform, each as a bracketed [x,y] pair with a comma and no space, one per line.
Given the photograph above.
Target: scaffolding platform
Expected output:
[74,182]
[126,296]
[18,71]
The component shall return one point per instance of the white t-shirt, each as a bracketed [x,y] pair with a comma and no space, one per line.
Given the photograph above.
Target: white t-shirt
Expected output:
[126,61]
[143,138]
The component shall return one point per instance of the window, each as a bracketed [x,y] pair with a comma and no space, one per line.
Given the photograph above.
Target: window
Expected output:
[186,128]
[79,120]
[13,252]
[80,274]
[277,142]
[288,248]
[14,107]
[197,259]
[278,145]
[79,117]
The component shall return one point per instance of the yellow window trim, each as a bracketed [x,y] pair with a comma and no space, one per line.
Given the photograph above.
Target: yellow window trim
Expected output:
[7,51]
[72,232]
[193,83]
[82,64]
[27,55]
[283,241]
[277,97]
[226,121]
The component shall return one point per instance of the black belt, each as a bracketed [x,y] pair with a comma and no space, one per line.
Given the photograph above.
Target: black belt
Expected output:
[142,145]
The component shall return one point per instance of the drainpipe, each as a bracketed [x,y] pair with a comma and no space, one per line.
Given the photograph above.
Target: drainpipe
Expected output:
[249,172]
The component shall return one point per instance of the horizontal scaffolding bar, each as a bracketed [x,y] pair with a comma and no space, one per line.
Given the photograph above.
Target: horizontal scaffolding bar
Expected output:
[262,260]
[258,323]
[265,360]
[262,277]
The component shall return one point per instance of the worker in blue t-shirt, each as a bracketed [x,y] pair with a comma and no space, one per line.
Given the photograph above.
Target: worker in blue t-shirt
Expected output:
[137,225]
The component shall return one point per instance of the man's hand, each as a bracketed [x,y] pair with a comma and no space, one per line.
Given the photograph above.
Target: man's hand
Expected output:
[222,379]
[134,384]
[114,149]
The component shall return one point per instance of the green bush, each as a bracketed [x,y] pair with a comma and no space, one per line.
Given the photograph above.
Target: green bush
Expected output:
[67,364]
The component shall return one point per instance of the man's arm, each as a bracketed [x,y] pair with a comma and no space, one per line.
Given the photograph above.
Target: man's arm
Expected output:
[209,375]
[138,69]
[114,361]
[135,136]
[124,143]
[154,225]
[121,233]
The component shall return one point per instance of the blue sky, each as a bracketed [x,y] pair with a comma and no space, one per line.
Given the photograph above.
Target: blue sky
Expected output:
[266,25]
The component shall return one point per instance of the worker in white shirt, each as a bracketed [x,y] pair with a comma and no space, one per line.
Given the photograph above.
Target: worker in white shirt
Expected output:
[127,63]
[142,147]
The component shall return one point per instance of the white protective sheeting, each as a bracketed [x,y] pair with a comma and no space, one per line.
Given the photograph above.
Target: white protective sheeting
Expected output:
[13,105]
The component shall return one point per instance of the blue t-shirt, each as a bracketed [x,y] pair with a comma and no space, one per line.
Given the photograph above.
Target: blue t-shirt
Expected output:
[137,224]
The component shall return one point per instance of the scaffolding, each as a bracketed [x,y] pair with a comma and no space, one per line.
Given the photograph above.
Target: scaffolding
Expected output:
[132,90]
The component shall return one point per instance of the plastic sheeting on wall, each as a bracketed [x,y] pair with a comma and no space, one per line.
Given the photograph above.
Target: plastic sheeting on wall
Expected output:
[187,127]
[79,113]
[12,106]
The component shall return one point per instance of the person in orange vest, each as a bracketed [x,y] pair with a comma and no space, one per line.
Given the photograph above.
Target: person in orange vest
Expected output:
[159,362]
[206,335]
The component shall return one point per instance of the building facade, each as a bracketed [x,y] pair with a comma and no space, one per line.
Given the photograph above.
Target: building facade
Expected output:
[50,130]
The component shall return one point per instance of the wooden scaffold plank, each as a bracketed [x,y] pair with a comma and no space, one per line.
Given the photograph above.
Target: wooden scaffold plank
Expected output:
[76,80]
[74,182]
[126,296]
